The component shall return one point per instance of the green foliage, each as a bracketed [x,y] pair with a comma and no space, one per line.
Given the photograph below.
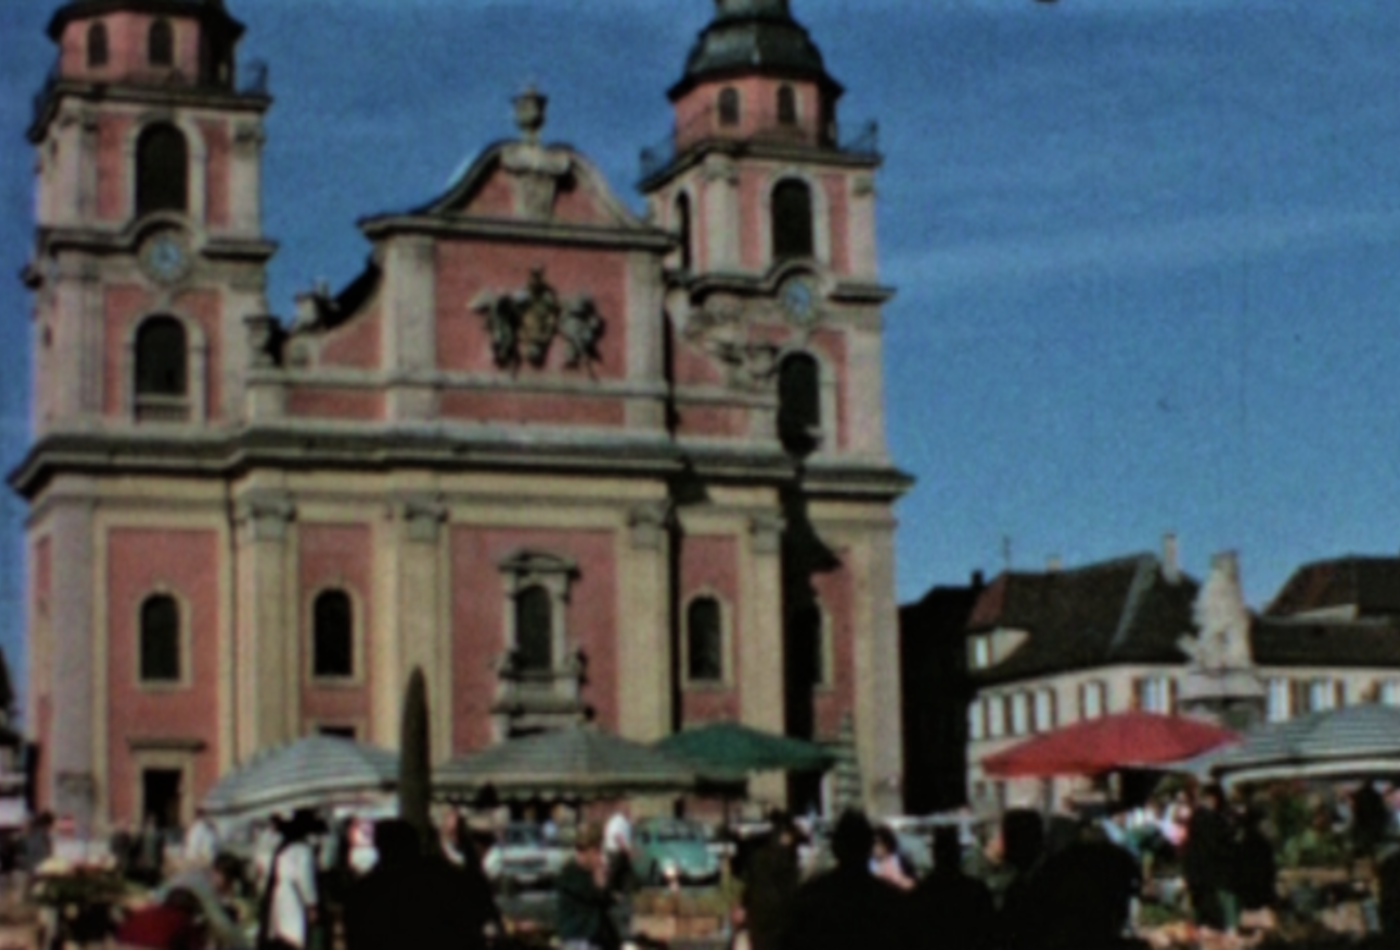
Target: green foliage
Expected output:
[415,767]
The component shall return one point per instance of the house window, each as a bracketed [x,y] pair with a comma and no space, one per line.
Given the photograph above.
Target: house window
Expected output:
[683,227]
[728,106]
[160,640]
[996,717]
[793,232]
[534,630]
[333,635]
[1020,714]
[162,170]
[1092,700]
[161,44]
[1280,705]
[799,403]
[1044,710]
[981,650]
[1390,693]
[97,51]
[1155,694]
[704,641]
[1322,695]
[787,106]
[976,720]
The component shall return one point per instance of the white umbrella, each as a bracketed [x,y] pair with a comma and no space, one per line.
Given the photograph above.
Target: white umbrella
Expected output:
[1350,742]
[311,772]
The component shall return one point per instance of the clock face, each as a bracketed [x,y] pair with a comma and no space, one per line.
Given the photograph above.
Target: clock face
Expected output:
[799,299]
[165,257]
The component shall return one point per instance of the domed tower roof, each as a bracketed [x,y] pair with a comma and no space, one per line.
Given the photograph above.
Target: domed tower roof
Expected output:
[208,11]
[749,37]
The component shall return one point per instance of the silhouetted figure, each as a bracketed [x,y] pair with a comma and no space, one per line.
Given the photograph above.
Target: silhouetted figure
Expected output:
[1370,820]
[1388,874]
[1207,861]
[848,907]
[951,910]
[1023,850]
[407,899]
[1082,896]
[1256,870]
[584,918]
[772,878]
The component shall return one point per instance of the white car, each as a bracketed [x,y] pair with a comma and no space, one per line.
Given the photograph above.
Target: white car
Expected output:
[523,858]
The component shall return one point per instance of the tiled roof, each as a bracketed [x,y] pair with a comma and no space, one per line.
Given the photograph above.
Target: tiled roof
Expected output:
[1371,584]
[1370,643]
[1121,611]
[753,37]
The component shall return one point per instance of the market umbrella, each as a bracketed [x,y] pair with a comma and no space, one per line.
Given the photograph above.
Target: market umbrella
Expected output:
[572,764]
[1109,743]
[729,751]
[311,772]
[1349,742]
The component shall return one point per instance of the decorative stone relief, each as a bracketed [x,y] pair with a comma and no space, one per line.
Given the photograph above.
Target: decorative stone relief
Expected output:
[720,329]
[266,516]
[261,335]
[536,172]
[524,324]
[423,518]
[648,524]
[767,532]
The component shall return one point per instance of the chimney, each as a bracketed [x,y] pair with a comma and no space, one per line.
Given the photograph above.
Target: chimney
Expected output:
[1171,559]
[979,580]
[1054,564]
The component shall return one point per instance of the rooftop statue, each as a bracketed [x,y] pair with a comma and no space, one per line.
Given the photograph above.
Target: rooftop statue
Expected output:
[1222,620]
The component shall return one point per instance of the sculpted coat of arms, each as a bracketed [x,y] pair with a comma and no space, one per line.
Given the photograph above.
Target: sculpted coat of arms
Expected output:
[524,324]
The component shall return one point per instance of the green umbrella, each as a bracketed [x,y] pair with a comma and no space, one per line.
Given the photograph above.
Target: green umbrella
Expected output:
[729,751]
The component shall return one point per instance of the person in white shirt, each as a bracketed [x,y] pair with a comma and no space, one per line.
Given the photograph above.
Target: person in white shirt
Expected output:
[617,846]
[290,899]
[201,841]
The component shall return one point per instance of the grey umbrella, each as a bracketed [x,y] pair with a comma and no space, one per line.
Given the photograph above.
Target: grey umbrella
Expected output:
[574,764]
[1353,741]
[311,772]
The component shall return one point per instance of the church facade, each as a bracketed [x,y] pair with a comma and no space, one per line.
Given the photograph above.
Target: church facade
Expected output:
[575,464]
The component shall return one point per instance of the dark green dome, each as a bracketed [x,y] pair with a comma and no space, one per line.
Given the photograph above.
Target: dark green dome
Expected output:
[754,37]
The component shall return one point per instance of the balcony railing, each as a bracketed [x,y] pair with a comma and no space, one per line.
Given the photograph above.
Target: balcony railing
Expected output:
[160,409]
[758,126]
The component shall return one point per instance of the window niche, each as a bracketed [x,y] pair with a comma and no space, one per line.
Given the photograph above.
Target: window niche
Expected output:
[160,637]
[98,49]
[704,644]
[162,170]
[787,106]
[794,232]
[333,636]
[539,675]
[729,107]
[160,44]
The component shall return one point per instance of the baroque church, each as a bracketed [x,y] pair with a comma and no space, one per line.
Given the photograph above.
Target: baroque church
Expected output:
[579,466]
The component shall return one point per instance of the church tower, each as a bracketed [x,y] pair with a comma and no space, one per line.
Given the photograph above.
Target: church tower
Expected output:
[148,255]
[775,309]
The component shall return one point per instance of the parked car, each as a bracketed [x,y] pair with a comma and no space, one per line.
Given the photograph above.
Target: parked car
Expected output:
[523,858]
[672,849]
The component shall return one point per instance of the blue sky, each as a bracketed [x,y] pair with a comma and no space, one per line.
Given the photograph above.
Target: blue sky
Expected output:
[1146,249]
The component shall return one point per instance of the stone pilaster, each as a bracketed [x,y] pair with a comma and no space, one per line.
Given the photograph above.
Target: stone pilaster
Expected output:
[879,745]
[761,649]
[267,656]
[722,222]
[644,644]
[410,315]
[73,751]
[423,641]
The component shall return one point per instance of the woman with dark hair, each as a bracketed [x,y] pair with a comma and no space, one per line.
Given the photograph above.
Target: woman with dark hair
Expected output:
[291,902]
[888,863]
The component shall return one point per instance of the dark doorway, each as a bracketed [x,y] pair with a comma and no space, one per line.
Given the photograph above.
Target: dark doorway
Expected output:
[160,797]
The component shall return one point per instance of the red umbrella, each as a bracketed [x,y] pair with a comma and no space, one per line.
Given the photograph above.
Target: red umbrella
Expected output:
[1125,740]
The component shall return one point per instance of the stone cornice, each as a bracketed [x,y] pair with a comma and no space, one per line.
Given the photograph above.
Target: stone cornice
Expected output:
[181,96]
[811,155]
[533,232]
[126,240]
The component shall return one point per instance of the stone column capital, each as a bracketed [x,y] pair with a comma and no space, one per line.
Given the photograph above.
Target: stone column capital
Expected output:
[766,530]
[265,516]
[648,523]
[423,517]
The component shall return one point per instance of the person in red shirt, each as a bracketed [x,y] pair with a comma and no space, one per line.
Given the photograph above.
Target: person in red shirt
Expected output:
[173,924]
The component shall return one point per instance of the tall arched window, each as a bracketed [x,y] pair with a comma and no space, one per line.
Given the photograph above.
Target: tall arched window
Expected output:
[799,403]
[729,106]
[160,48]
[162,170]
[161,358]
[160,639]
[683,225]
[792,220]
[333,635]
[534,630]
[97,51]
[787,106]
[704,648]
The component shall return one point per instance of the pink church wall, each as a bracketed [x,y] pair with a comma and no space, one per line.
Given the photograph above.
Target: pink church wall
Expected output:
[337,557]
[466,269]
[216,144]
[323,403]
[127,44]
[579,205]
[533,409]
[695,368]
[697,114]
[713,422]
[355,343]
[478,619]
[494,199]
[752,252]
[120,304]
[185,564]
[839,212]
[710,567]
[834,591]
[113,188]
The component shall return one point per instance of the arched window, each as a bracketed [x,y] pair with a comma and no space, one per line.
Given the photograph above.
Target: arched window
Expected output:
[704,647]
[161,358]
[792,220]
[729,106]
[333,635]
[787,106]
[160,639]
[162,170]
[684,227]
[799,403]
[160,48]
[97,52]
[534,630]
